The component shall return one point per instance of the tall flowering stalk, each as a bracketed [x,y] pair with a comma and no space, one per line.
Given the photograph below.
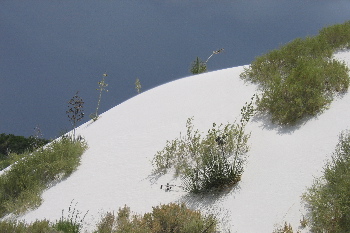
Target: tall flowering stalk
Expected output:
[101,87]
[75,110]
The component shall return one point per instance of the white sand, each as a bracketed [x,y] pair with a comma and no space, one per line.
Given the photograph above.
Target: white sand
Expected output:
[116,168]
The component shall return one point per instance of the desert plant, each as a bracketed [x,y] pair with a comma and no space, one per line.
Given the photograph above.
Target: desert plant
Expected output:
[328,199]
[22,185]
[73,223]
[107,224]
[37,139]
[198,66]
[170,218]
[299,79]
[138,85]
[75,110]
[215,161]
[101,87]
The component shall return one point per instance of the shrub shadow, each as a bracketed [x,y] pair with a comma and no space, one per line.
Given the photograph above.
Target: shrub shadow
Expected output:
[266,123]
[154,177]
[208,199]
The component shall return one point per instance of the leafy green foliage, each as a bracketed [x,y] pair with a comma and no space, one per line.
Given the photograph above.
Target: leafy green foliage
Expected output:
[337,36]
[328,200]
[215,161]
[170,218]
[198,66]
[22,185]
[300,79]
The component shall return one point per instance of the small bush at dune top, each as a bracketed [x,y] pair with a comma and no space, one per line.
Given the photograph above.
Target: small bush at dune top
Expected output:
[198,66]
[300,79]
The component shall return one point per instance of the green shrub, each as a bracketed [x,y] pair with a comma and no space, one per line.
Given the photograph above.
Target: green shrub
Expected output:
[198,66]
[170,218]
[22,185]
[328,200]
[299,79]
[215,161]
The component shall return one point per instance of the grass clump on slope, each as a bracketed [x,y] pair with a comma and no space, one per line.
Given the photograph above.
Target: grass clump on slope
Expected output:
[328,200]
[22,185]
[301,78]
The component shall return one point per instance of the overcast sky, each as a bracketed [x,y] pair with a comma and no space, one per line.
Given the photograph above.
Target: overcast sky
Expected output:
[51,49]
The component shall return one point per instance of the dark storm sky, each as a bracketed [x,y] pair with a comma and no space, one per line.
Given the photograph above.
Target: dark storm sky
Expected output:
[49,49]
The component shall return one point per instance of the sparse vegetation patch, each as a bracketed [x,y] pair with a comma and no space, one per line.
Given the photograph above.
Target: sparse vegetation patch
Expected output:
[214,161]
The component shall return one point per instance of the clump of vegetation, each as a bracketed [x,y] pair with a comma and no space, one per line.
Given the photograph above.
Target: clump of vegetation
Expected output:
[198,66]
[73,223]
[215,161]
[22,185]
[328,200]
[170,218]
[300,79]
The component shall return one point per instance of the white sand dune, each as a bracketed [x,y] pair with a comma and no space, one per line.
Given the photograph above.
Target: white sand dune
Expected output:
[116,169]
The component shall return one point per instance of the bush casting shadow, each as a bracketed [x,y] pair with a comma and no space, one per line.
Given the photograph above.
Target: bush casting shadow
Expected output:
[300,79]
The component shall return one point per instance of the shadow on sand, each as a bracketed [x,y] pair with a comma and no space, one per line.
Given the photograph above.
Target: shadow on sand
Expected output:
[266,123]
